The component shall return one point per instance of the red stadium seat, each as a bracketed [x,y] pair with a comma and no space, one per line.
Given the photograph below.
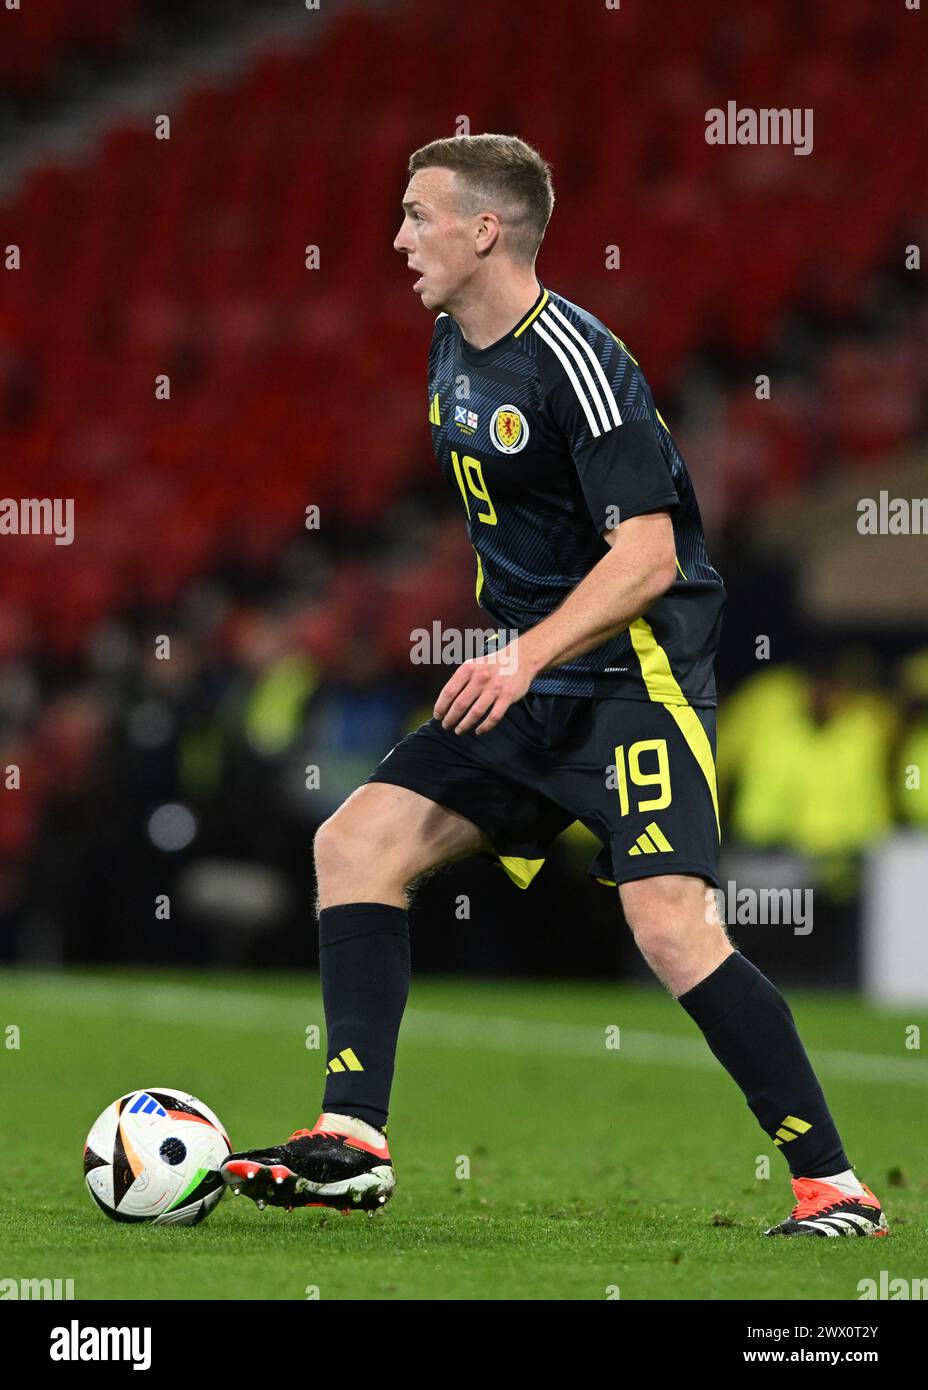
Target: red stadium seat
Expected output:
[292,386]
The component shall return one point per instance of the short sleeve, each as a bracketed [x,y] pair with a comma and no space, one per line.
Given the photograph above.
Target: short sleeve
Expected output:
[623,474]
[599,401]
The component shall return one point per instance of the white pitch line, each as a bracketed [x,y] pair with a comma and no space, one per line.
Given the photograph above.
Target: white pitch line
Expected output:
[243,1011]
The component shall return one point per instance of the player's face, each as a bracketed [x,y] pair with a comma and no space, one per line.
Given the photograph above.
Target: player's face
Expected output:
[437,241]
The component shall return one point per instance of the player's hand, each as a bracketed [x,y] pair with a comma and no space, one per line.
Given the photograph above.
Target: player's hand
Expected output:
[480,691]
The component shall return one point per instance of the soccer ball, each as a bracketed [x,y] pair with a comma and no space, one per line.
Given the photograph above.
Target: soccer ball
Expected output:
[154,1156]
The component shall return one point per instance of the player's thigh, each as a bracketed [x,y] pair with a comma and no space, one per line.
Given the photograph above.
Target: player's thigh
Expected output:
[396,829]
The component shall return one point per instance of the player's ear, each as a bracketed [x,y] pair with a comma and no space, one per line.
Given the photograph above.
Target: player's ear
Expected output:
[488,228]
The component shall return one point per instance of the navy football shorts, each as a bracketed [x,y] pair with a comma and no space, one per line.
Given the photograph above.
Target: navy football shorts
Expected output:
[639,774]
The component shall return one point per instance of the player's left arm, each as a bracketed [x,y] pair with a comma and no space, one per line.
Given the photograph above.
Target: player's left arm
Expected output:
[601,405]
[640,566]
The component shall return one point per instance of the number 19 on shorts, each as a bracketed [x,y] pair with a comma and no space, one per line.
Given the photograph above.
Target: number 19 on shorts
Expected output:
[643,764]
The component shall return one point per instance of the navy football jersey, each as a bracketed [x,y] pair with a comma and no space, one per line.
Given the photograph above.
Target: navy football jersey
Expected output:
[552,436]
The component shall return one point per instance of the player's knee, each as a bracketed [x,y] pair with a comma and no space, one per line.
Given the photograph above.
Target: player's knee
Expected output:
[655,899]
[667,912]
[337,847]
[361,848]
[657,943]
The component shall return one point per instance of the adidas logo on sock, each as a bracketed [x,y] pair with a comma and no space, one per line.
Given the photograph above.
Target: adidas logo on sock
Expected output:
[787,1127]
[345,1061]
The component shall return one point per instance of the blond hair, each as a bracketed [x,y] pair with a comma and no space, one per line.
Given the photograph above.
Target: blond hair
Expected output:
[501,174]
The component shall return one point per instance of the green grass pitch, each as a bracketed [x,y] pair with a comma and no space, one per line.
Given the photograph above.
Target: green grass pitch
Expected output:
[592,1168]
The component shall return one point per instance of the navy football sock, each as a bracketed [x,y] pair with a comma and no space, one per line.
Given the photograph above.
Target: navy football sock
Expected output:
[364,964]
[750,1029]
